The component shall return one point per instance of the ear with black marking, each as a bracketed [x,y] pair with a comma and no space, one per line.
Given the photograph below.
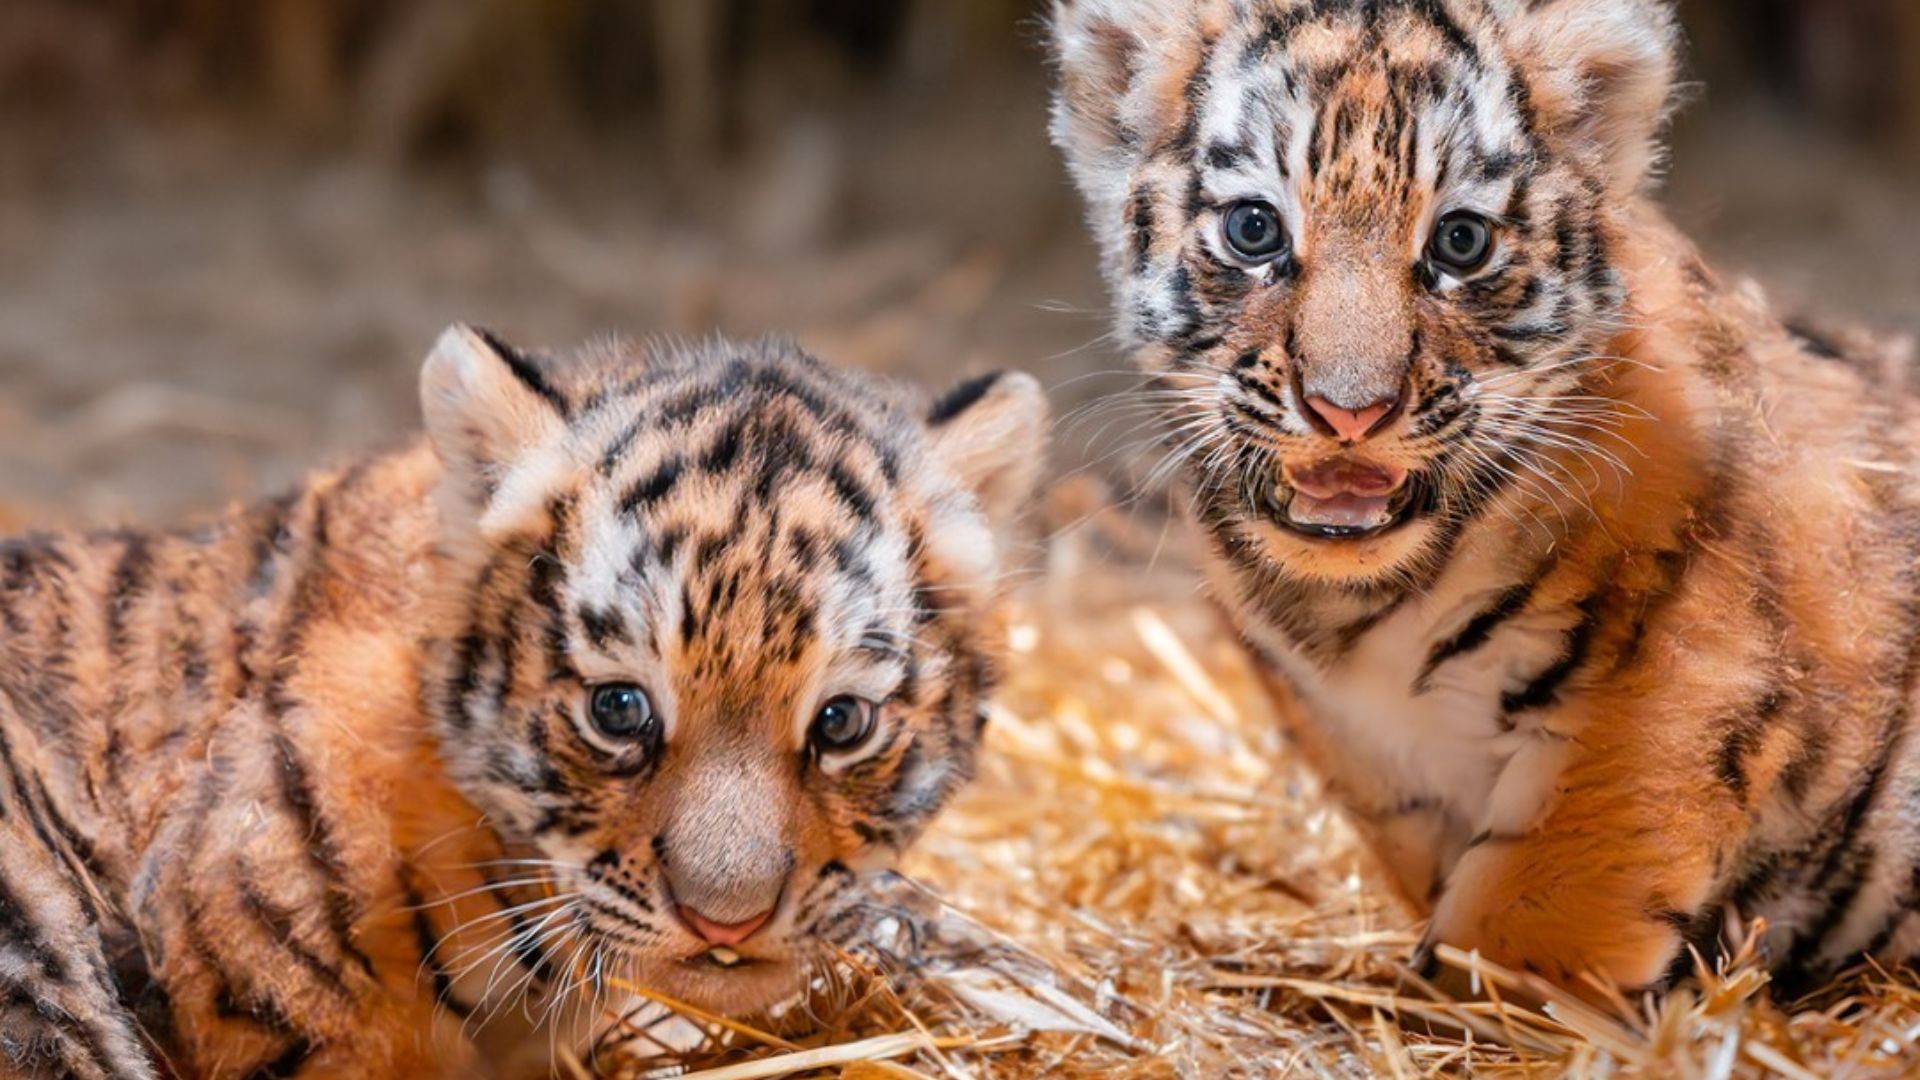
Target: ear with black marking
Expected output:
[495,416]
[991,432]
[1600,76]
[1098,48]
[1105,106]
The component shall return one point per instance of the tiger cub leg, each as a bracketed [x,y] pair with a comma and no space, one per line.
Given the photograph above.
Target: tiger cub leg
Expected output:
[1599,865]
[60,1011]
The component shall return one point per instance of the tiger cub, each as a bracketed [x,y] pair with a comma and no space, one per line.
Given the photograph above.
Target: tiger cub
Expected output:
[628,674]
[1594,587]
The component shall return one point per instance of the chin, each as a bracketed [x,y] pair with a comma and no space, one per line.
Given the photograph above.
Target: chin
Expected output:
[753,986]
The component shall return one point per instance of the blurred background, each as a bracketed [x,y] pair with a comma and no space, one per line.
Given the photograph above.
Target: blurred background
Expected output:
[230,228]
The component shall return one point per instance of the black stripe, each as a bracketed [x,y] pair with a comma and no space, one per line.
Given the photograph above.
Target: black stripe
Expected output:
[18,556]
[1545,687]
[1276,30]
[144,997]
[288,1064]
[1815,342]
[1744,732]
[17,926]
[616,451]
[229,1001]
[278,923]
[322,852]
[544,586]
[63,1023]
[1671,565]
[55,833]
[1479,629]
[653,487]
[851,491]
[725,449]
[1343,639]
[610,860]
[961,398]
[1699,933]
[429,944]
[1258,388]
[1434,13]
[527,370]
[1848,863]
[125,589]
[604,627]
[523,942]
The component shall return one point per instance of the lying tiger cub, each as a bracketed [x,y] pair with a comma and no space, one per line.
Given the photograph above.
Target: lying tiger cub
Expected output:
[1597,587]
[629,675]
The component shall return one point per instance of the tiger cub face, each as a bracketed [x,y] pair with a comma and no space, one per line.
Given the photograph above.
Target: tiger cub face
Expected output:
[722,639]
[1366,247]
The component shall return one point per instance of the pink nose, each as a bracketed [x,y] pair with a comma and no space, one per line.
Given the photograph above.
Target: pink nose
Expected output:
[714,933]
[1350,426]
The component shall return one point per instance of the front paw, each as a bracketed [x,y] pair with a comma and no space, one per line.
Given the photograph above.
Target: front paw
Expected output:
[1589,946]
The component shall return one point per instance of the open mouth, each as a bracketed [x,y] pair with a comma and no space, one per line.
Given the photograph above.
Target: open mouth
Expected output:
[724,958]
[1341,498]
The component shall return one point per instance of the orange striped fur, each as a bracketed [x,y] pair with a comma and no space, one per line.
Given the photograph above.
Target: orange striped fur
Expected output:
[329,787]
[1593,584]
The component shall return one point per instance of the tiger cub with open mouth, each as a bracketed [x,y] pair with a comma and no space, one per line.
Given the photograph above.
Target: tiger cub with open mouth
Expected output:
[629,673]
[1597,587]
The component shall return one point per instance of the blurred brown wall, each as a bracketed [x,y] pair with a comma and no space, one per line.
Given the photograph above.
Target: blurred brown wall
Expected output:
[229,227]
[427,76]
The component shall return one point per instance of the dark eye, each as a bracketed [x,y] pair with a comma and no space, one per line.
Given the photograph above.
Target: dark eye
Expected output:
[621,711]
[842,724]
[1462,242]
[1254,232]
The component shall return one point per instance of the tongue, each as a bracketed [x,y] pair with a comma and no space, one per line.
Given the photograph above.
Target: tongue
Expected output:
[1344,493]
[1345,476]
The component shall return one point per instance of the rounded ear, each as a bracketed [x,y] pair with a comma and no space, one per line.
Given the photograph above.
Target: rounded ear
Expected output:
[1097,49]
[1600,74]
[489,409]
[991,433]
[1109,97]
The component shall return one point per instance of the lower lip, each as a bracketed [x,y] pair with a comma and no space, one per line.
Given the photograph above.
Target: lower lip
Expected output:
[1398,514]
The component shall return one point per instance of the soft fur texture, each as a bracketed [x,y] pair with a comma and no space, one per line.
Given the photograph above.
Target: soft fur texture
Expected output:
[313,790]
[1639,652]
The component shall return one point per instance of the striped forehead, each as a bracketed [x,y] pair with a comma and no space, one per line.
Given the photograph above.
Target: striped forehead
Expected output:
[1314,90]
[760,526]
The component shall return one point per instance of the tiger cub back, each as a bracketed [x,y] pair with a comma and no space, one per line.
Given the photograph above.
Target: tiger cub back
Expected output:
[631,672]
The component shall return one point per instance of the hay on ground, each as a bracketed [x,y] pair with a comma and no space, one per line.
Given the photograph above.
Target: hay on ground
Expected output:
[1144,882]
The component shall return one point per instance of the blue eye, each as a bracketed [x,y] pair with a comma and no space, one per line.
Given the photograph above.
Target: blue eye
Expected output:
[622,712]
[1254,232]
[1462,242]
[842,724]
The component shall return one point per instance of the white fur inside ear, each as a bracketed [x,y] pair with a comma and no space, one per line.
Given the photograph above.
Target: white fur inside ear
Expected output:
[996,443]
[963,545]
[497,430]
[519,503]
[478,409]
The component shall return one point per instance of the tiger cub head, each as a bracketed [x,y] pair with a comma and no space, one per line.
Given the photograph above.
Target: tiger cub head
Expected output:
[722,636]
[1368,251]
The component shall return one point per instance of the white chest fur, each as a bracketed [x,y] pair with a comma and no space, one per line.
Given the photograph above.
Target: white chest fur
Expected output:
[1429,763]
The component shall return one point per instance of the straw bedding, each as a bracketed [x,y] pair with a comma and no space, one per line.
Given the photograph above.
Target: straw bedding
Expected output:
[1145,883]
